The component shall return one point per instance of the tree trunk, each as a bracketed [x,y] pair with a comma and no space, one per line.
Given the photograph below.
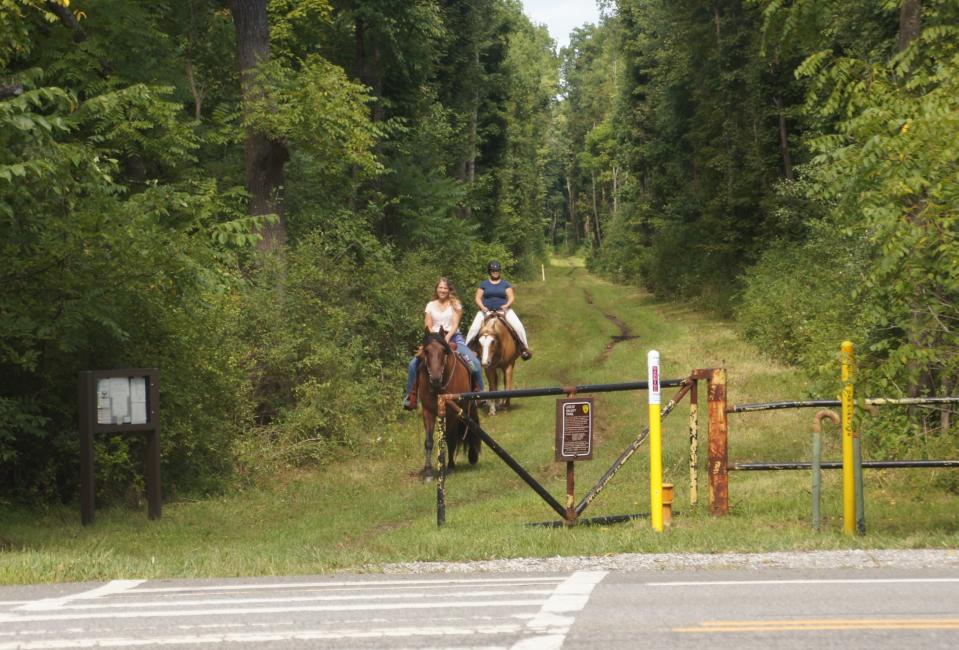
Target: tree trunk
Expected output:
[727,139]
[572,209]
[195,89]
[67,19]
[910,13]
[263,158]
[944,413]
[615,191]
[472,141]
[910,22]
[784,141]
[597,236]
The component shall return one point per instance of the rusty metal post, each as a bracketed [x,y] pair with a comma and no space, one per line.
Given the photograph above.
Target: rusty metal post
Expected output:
[694,444]
[570,494]
[441,453]
[718,441]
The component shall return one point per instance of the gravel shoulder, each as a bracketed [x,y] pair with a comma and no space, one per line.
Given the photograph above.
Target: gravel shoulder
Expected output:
[856,559]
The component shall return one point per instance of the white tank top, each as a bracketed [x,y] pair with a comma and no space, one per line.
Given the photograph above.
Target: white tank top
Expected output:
[441,317]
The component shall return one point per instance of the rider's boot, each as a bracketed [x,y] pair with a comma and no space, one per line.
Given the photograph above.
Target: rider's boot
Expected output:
[409,401]
[526,354]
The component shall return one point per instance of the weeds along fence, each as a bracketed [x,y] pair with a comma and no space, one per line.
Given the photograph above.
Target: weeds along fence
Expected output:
[570,513]
[852,464]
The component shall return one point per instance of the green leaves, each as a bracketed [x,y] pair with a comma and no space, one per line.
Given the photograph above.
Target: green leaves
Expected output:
[885,170]
[316,108]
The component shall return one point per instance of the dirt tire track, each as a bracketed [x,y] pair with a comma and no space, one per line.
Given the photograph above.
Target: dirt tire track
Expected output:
[625,334]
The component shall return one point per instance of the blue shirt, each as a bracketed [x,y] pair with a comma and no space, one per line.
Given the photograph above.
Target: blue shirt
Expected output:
[494,295]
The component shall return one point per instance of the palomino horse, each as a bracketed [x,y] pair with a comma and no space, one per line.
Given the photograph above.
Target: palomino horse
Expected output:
[498,354]
[441,371]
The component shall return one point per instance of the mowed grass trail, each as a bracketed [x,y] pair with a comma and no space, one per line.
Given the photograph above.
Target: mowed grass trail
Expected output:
[369,507]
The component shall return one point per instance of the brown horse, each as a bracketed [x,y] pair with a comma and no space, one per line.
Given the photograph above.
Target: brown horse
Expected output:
[498,353]
[441,371]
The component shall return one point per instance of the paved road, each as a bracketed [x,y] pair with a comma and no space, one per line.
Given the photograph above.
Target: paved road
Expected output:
[609,609]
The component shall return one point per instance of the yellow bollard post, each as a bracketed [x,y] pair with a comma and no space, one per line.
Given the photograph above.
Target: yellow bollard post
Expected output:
[655,443]
[848,411]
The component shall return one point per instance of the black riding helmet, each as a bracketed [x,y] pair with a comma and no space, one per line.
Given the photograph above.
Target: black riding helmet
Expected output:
[493,266]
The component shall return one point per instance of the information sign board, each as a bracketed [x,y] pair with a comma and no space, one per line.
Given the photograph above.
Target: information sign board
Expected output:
[574,429]
[113,402]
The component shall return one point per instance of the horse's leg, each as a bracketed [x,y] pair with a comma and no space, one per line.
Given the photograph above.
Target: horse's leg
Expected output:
[491,379]
[429,422]
[508,380]
[504,401]
[473,441]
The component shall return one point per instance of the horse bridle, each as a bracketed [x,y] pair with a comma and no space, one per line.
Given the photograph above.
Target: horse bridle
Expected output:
[448,351]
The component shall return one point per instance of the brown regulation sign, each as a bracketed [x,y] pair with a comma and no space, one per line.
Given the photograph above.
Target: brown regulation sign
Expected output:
[574,429]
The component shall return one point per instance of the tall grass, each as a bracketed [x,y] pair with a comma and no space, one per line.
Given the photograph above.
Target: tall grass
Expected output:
[367,506]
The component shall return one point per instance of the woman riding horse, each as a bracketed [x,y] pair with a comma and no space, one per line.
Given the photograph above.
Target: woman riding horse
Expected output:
[443,313]
[498,352]
[441,372]
[497,295]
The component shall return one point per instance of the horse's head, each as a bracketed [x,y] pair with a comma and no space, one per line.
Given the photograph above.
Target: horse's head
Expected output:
[488,339]
[435,349]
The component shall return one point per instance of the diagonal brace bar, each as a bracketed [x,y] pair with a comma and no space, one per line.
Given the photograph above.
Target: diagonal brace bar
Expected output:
[686,385]
[516,467]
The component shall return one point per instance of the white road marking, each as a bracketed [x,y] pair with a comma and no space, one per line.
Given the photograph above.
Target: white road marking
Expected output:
[851,581]
[263,637]
[354,585]
[544,630]
[174,613]
[307,599]
[109,589]
[558,613]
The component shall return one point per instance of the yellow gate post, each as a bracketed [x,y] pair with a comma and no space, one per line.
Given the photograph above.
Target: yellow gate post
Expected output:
[655,443]
[848,411]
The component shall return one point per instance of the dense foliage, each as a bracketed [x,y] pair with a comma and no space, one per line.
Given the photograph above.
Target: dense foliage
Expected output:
[789,161]
[255,198]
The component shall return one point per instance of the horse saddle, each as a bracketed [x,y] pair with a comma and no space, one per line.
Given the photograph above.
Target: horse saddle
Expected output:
[509,328]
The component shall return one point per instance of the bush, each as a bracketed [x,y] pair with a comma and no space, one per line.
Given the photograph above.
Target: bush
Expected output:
[330,329]
[798,304]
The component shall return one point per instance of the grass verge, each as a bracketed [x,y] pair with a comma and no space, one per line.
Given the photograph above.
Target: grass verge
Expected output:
[368,507]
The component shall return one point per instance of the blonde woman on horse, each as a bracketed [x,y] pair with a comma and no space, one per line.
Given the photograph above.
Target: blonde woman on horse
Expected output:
[443,312]
[496,295]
